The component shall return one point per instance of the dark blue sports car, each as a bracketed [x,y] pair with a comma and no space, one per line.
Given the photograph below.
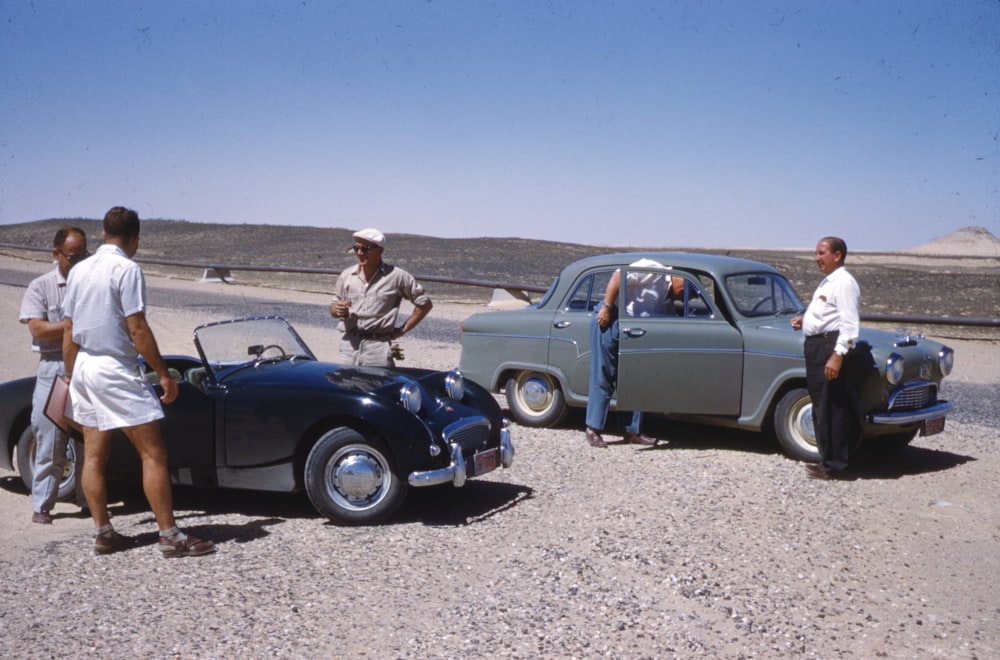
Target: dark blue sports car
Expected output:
[258,411]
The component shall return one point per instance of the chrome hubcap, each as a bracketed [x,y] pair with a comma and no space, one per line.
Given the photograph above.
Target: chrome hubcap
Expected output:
[803,424]
[357,478]
[535,393]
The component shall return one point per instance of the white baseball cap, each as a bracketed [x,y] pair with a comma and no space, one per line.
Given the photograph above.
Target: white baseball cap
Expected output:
[370,235]
[648,263]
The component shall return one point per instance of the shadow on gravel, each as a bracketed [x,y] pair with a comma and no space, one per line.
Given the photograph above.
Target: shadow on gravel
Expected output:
[909,461]
[680,435]
[13,484]
[442,505]
[193,504]
[474,502]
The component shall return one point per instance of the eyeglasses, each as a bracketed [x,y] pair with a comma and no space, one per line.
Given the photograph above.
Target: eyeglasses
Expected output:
[74,258]
[364,249]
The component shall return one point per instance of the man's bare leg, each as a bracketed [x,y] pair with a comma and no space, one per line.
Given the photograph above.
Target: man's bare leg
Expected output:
[155,477]
[96,448]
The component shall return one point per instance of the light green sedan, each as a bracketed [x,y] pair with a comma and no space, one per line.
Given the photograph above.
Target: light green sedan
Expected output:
[722,353]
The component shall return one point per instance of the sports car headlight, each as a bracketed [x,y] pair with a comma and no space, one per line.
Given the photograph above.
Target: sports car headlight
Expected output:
[409,397]
[894,368]
[946,360]
[454,385]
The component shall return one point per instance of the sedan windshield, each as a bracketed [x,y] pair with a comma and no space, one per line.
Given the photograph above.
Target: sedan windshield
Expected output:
[762,294]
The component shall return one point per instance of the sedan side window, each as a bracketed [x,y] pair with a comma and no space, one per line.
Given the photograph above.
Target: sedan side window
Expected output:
[762,294]
[589,292]
[654,294]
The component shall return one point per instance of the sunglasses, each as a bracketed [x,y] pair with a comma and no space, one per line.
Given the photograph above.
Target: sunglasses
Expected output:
[364,249]
[74,258]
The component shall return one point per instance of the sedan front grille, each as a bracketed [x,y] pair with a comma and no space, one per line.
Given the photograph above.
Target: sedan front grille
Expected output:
[471,434]
[913,397]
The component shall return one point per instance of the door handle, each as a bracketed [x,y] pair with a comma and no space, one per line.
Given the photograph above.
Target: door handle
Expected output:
[561,324]
[633,332]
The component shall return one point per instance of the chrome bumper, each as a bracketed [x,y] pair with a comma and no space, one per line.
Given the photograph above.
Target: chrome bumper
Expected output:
[909,416]
[456,471]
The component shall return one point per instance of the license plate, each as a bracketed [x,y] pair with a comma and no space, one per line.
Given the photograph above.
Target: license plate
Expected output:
[932,426]
[486,461]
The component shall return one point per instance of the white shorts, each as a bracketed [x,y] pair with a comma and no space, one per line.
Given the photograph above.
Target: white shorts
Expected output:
[110,393]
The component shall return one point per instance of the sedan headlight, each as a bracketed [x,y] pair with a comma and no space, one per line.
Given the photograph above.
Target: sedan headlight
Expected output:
[409,397]
[946,360]
[454,385]
[894,368]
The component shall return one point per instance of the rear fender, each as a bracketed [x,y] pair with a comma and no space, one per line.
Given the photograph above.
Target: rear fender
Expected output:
[15,416]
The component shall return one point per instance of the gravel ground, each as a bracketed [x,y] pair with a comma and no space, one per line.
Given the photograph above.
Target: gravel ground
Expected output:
[711,545]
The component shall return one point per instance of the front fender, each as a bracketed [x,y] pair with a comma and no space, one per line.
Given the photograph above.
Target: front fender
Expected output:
[15,415]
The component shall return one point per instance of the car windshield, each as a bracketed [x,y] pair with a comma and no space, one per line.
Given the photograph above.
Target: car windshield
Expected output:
[762,294]
[230,343]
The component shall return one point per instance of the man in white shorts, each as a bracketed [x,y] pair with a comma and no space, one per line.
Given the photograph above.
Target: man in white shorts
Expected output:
[106,332]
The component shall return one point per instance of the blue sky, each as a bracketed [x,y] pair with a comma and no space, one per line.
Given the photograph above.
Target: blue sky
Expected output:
[685,123]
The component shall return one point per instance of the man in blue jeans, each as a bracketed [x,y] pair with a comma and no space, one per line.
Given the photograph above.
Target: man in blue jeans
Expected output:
[647,293]
[42,312]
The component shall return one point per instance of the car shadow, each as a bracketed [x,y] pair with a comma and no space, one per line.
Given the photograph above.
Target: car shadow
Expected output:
[674,434]
[438,505]
[868,463]
[13,484]
[448,506]
[905,462]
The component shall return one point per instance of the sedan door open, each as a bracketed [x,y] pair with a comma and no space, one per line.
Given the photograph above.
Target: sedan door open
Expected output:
[683,357]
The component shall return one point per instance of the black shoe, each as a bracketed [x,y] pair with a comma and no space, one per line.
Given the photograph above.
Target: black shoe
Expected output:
[640,439]
[816,472]
[594,438]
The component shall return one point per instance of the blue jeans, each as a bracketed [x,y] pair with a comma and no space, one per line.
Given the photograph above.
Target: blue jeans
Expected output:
[49,460]
[604,376]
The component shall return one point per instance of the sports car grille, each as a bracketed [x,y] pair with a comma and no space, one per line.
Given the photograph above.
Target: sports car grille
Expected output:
[913,397]
[471,434]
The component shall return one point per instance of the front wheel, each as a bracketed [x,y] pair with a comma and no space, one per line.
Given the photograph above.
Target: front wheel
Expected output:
[352,480]
[26,460]
[793,426]
[535,399]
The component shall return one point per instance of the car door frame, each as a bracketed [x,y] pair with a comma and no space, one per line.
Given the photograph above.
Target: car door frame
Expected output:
[689,364]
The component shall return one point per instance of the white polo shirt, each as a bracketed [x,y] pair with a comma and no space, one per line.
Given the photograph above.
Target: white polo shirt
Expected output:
[101,292]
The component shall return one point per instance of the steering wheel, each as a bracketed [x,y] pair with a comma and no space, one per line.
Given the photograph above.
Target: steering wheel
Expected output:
[257,350]
[760,303]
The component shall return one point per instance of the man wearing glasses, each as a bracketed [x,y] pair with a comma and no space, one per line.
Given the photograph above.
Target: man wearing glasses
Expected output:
[366,299]
[42,312]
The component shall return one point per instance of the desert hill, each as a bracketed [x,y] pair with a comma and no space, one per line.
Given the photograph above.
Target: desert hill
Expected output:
[965,242]
[918,281]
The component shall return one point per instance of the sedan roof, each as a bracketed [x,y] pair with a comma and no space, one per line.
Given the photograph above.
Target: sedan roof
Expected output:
[711,263]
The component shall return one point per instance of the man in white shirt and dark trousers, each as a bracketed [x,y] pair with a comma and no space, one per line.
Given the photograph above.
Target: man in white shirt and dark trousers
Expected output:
[830,325]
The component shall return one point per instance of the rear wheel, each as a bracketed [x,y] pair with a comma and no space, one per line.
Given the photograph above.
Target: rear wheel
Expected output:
[352,479]
[535,399]
[26,460]
[793,425]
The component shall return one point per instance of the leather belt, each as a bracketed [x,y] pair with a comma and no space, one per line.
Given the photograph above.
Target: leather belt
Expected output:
[369,335]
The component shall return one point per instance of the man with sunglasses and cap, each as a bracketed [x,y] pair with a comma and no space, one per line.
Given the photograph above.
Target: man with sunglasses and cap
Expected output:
[42,311]
[366,300]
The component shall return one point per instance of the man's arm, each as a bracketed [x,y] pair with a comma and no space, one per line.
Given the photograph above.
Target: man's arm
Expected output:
[44,330]
[70,347]
[610,299]
[419,312]
[145,343]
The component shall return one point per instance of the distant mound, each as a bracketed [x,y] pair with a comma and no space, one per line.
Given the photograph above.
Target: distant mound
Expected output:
[965,242]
